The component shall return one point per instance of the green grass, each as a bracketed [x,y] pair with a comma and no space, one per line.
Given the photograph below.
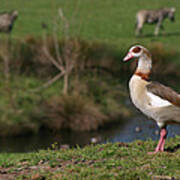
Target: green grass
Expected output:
[106,21]
[107,161]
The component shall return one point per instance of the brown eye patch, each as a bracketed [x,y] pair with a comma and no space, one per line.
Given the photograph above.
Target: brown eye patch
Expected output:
[136,49]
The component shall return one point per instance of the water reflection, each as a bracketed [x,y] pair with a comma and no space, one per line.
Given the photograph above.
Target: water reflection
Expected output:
[130,130]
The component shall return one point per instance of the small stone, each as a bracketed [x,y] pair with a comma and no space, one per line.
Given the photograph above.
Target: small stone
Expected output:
[65,146]
[163,178]
[138,129]
[157,132]
[95,140]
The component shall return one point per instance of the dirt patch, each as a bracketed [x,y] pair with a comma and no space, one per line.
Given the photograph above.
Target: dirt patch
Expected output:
[34,171]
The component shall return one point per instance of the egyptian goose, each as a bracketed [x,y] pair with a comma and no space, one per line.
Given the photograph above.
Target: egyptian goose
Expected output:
[155,100]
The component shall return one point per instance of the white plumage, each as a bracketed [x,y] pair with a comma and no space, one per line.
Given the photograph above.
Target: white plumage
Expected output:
[156,101]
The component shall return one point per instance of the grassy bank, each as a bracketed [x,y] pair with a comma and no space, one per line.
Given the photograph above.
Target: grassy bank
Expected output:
[97,86]
[95,94]
[107,161]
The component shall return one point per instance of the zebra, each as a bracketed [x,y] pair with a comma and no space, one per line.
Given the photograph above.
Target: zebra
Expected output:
[7,20]
[153,17]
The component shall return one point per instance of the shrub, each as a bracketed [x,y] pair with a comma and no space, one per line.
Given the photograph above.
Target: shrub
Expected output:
[73,112]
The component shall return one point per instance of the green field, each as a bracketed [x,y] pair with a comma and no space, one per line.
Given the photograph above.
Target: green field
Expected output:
[107,21]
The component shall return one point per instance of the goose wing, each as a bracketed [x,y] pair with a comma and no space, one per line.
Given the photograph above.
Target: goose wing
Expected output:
[163,93]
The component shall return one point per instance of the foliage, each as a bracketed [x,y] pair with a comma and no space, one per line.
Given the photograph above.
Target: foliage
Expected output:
[73,112]
[98,36]
[20,112]
[97,91]
[27,110]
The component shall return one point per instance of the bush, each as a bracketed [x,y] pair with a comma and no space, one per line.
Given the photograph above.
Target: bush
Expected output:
[73,112]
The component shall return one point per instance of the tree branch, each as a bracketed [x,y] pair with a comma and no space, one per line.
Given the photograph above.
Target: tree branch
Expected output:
[56,44]
[51,81]
[54,62]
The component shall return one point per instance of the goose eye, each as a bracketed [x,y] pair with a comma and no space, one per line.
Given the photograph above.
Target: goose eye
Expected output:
[136,49]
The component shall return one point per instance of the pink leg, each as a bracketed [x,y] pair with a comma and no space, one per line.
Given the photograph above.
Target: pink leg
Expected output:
[160,146]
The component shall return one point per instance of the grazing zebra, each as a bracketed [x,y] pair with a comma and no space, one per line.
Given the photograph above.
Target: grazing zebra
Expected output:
[7,20]
[153,17]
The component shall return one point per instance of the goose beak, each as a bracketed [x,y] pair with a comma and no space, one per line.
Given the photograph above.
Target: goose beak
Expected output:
[128,57]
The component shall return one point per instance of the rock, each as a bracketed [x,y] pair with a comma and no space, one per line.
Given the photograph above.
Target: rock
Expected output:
[95,140]
[157,132]
[65,146]
[138,129]
[163,178]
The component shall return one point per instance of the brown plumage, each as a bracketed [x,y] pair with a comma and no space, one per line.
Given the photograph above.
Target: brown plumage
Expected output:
[144,76]
[164,92]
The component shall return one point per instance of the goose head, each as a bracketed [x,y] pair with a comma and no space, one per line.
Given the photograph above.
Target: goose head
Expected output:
[144,58]
[136,51]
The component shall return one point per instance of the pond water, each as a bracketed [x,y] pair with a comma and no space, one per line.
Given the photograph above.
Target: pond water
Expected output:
[136,128]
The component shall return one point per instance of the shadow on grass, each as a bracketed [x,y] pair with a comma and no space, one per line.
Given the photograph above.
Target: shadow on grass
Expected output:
[173,149]
[160,35]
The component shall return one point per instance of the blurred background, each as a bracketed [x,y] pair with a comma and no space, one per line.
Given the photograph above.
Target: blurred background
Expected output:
[62,79]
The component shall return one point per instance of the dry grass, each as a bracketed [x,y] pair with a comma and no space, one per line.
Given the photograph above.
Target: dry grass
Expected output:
[163,60]
[73,112]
